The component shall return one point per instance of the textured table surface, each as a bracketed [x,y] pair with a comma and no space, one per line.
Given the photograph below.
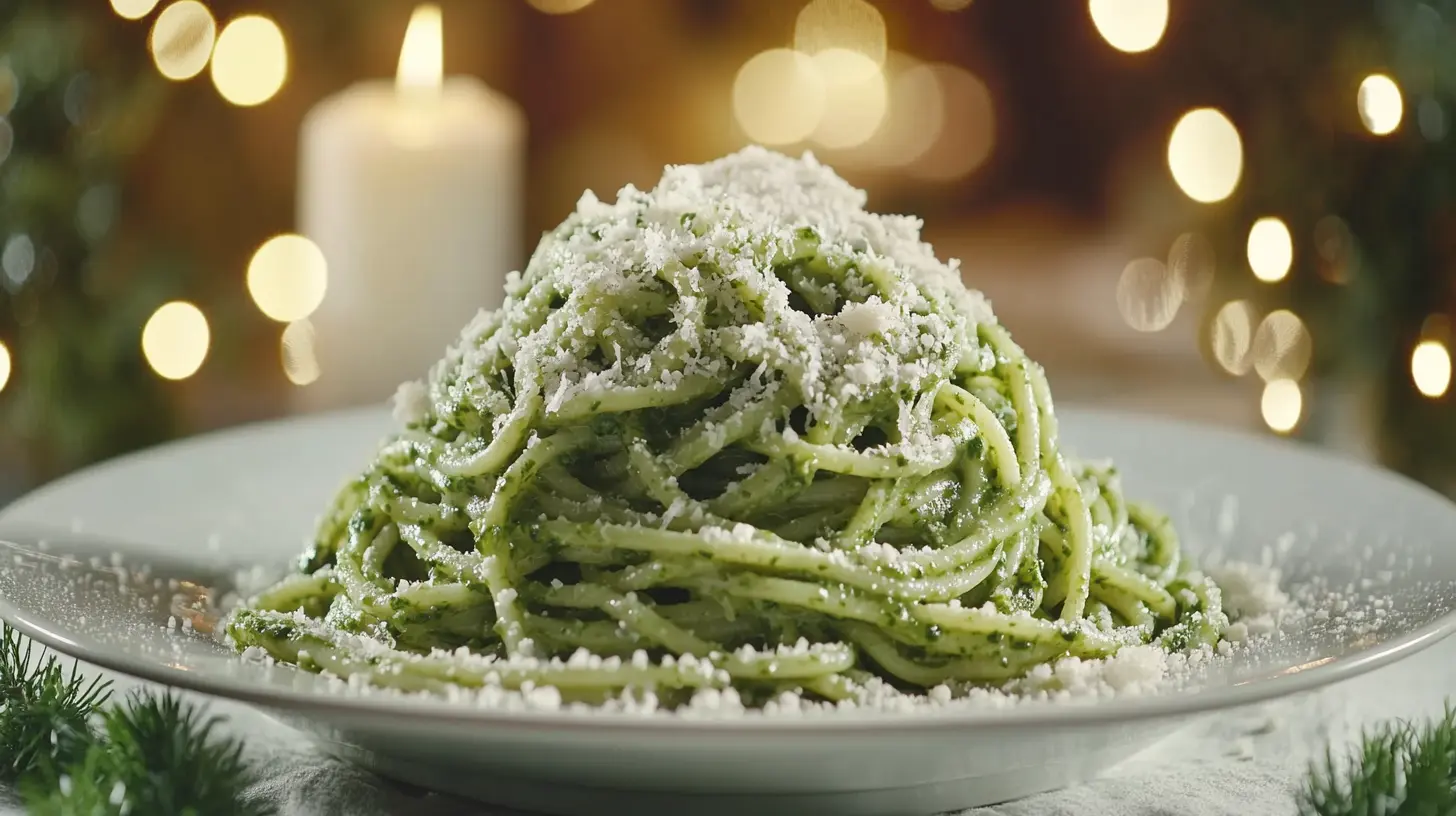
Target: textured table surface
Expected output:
[1248,762]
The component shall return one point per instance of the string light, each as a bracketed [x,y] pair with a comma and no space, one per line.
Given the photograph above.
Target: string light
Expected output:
[1132,26]
[175,340]
[1233,336]
[851,25]
[1281,405]
[855,98]
[4,366]
[1148,295]
[1431,368]
[288,277]
[1271,249]
[250,61]
[1282,347]
[1205,155]
[1380,104]
[300,361]
[133,9]
[778,97]
[182,39]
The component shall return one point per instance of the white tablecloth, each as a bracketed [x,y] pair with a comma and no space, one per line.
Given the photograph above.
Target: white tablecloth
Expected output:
[1248,762]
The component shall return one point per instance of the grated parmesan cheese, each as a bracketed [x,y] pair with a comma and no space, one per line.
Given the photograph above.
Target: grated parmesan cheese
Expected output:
[715,232]
[411,403]
[1251,596]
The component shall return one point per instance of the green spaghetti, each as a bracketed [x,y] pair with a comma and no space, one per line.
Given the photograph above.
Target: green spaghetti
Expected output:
[733,434]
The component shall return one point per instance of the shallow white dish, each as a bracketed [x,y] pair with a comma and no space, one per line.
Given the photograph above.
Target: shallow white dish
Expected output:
[199,510]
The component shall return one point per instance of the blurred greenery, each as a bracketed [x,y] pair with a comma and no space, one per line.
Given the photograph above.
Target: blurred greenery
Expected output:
[78,104]
[1372,215]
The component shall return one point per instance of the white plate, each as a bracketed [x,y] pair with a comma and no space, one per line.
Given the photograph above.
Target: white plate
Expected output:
[198,510]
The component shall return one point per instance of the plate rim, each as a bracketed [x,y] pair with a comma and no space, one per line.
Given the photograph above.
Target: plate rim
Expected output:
[385,708]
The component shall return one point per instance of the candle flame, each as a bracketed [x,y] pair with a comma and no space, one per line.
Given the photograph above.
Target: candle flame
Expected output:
[422,58]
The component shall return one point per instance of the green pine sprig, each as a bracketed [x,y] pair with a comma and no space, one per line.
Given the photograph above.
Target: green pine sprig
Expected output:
[1400,769]
[45,712]
[73,751]
[156,755]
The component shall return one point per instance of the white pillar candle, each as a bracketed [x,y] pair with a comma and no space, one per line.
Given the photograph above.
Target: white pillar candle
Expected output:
[412,189]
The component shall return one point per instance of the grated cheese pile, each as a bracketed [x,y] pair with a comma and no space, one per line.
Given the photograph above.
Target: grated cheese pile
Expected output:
[617,254]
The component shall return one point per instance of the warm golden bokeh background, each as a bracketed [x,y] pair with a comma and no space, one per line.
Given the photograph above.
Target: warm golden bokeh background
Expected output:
[1035,215]
[1064,150]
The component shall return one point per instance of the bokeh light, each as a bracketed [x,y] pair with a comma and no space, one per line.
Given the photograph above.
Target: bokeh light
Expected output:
[1232,338]
[182,39]
[913,117]
[1205,155]
[300,361]
[1191,261]
[855,98]
[96,211]
[17,261]
[1380,104]
[1282,347]
[778,97]
[175,340]
[288,277]
[1431,368]
[1271,249]
[1148,295]
[133,9]
[4,366]
[1133,26]
[1281,405]
[250,60]
[559,6]
[850,25]
[968,126]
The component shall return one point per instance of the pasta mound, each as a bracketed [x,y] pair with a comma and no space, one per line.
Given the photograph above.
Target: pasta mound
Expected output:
[733,433]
